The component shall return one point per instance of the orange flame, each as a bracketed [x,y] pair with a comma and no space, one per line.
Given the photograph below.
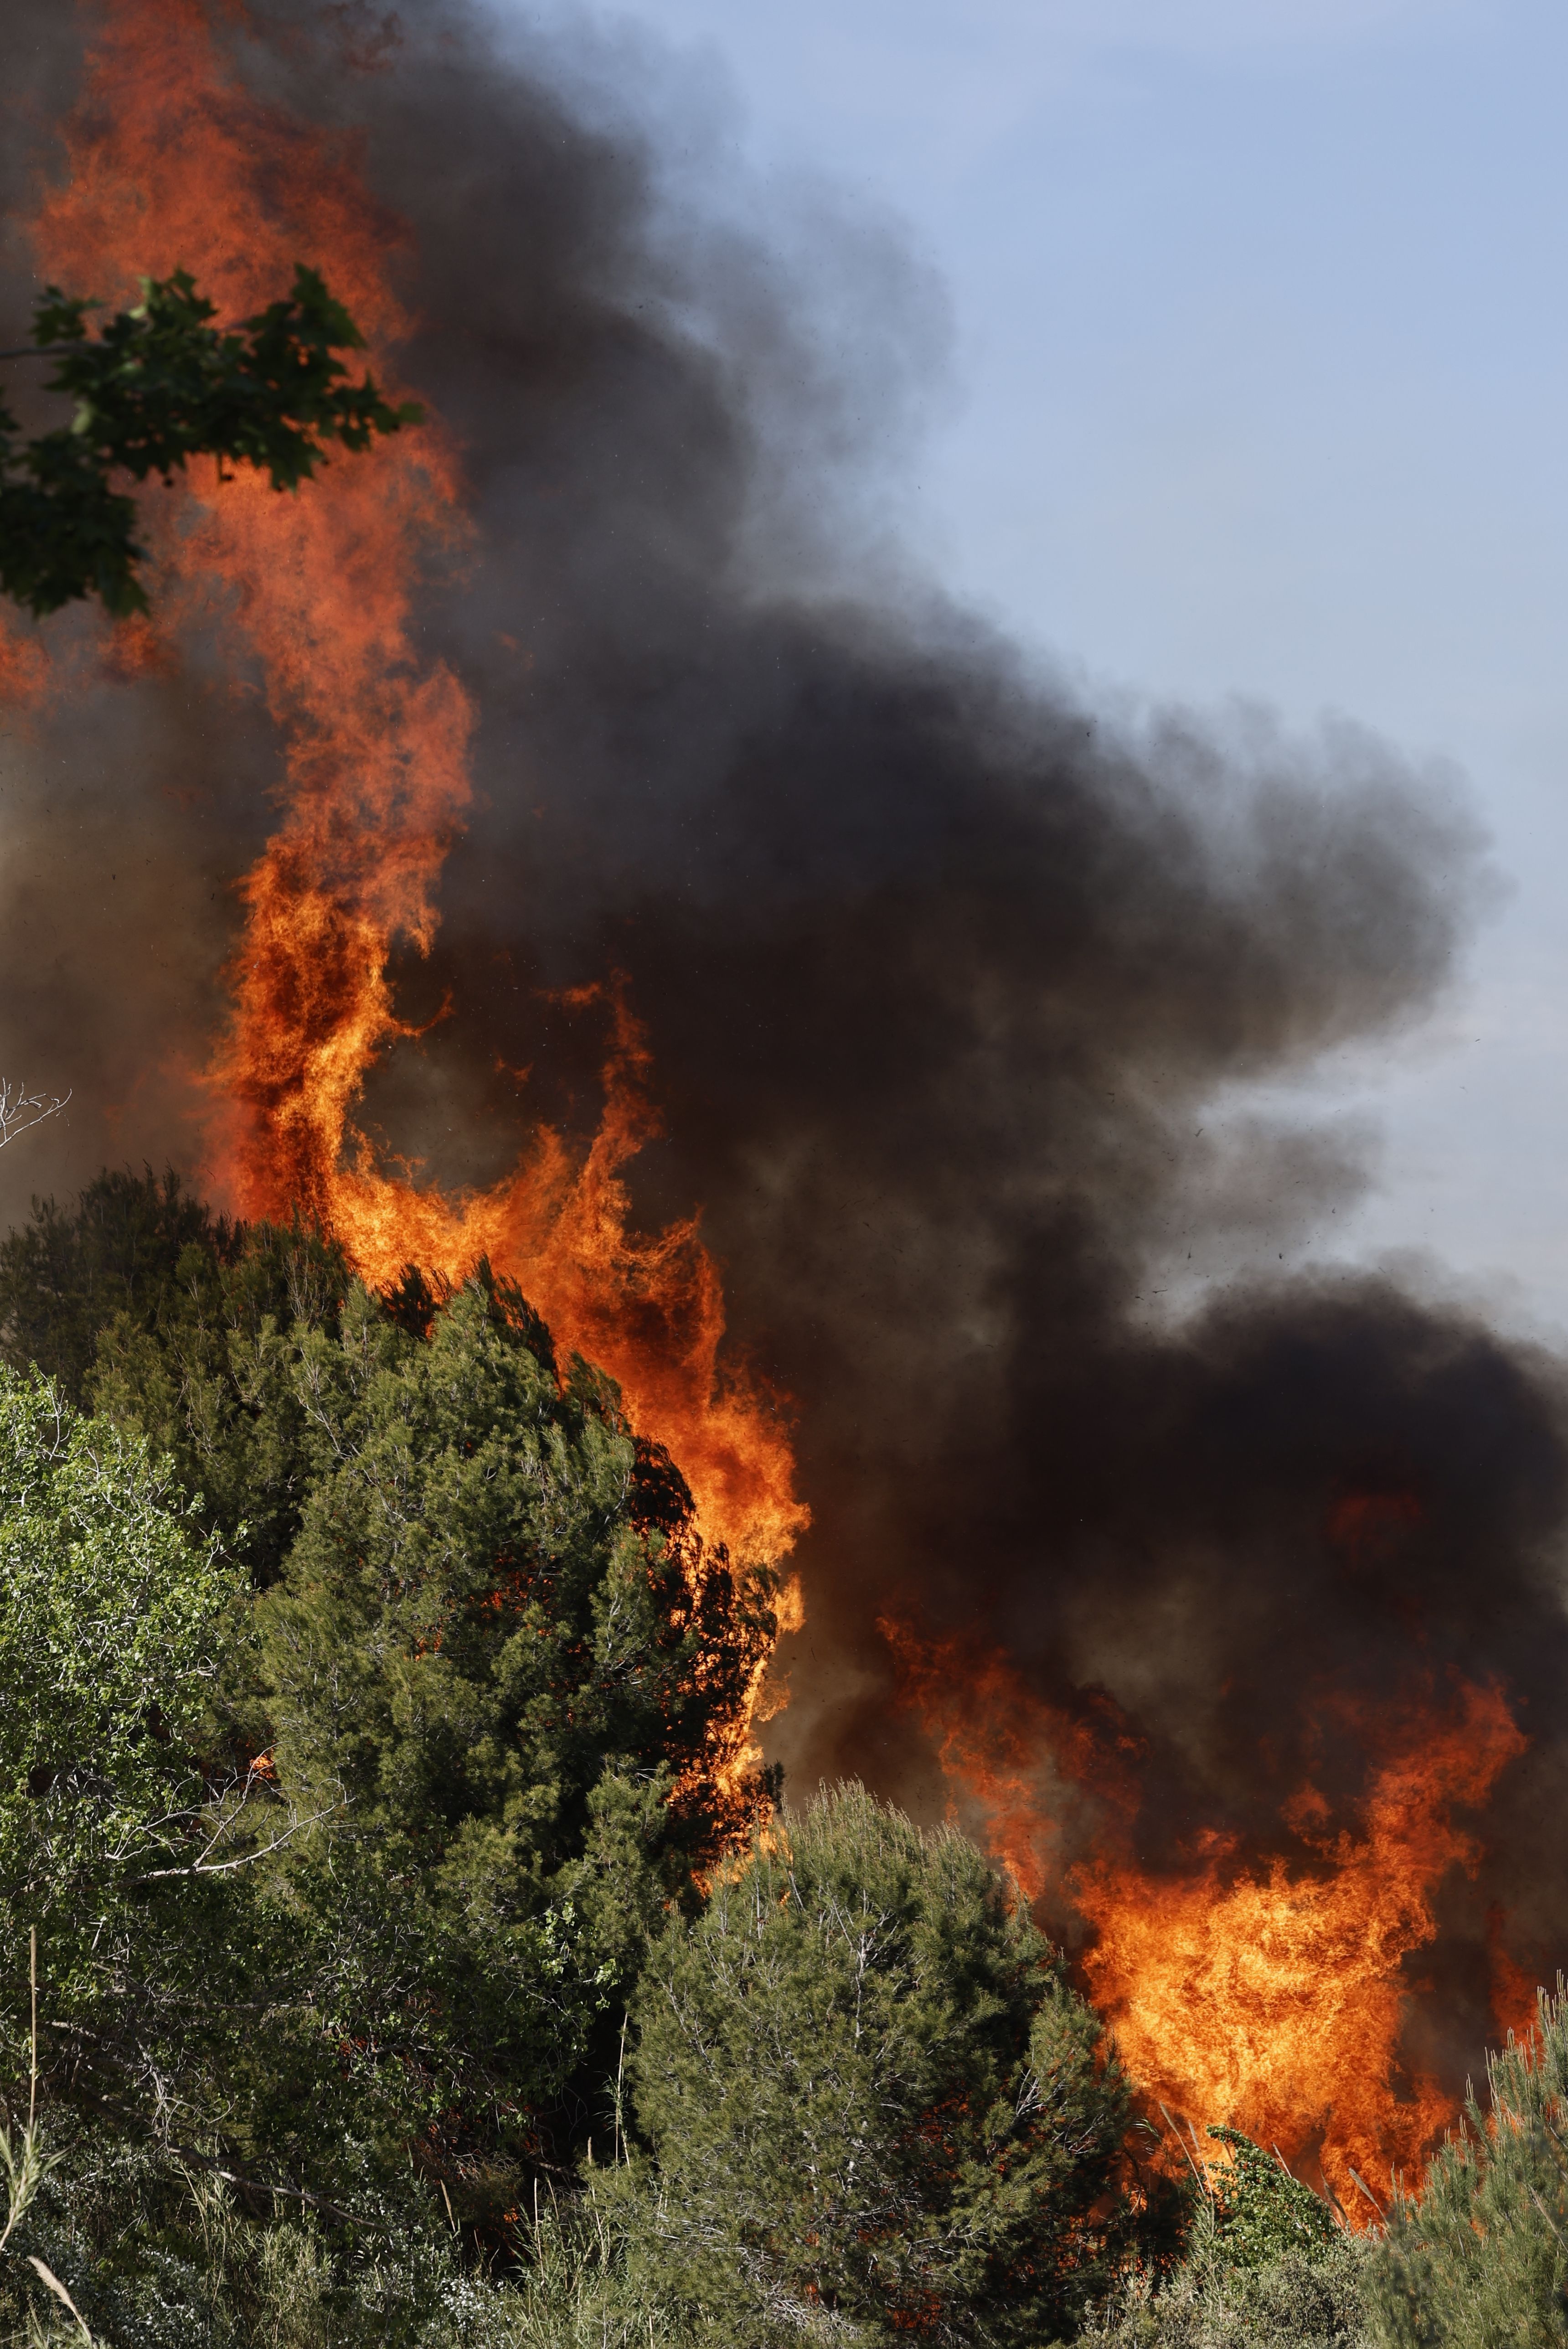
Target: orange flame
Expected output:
[174,163]
[1014,1761]
[1268,1997]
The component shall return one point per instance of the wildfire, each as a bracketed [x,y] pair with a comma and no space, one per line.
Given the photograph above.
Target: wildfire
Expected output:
[172,163]
[1267,1996]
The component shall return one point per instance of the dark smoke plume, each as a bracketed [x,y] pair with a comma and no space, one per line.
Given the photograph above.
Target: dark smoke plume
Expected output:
[944,973]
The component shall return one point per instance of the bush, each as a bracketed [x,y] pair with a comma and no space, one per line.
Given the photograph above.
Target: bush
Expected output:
[1299,2301]
[1268,2266]
[1481,2257]
[874,2105]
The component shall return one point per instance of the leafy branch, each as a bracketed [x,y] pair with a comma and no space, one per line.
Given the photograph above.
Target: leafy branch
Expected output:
[159,386]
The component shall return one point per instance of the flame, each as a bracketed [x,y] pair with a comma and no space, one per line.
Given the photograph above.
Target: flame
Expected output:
[174,163]
[1269,1997]
[1014,1760]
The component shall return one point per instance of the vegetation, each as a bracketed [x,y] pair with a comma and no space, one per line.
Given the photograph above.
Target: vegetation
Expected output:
[871,2097]
[420,1965]
[1480,2256]
[159,386]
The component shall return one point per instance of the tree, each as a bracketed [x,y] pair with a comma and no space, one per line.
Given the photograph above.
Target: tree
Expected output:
[140,1303]
[113,1615]
[874,2105]
[1479,2256]
[159,386]
[489,1683]
[500,1648]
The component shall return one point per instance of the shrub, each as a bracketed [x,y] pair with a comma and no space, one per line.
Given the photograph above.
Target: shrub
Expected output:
[1480,2256]
[1299,2301]
[874,2106]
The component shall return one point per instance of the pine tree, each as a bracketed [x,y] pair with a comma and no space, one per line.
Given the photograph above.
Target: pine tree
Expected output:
[874,2105]
[1479,2257]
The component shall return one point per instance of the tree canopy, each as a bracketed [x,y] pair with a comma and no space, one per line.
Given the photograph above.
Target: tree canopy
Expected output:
[473,1728]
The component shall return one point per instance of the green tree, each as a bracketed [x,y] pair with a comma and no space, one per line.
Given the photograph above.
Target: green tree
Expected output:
[1479,2256]
[113,1616]
[483,1710]
[499,1656]
[874,2105]
[159,386]
[140,1303]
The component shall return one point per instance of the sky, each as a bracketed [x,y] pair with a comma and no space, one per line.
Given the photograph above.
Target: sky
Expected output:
[1257,394]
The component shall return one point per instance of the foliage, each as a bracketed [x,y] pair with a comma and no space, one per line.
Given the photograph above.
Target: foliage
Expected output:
[1480,2256]
[111,1619]
[874,2106]
[143,1305]
[166,2255]
[475,1733]
[1261,2212]
[516,1686]
[159,386]
[1298,2301]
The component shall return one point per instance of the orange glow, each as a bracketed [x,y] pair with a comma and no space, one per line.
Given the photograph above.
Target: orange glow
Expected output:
[23,667]
[1513,1986]
[173,164]
[1267,1996]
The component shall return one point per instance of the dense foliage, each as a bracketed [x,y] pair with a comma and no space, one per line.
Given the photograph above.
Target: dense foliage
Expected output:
[1480,2256]
[421,1962]
[346,1832]
[158,386]
[871,2098]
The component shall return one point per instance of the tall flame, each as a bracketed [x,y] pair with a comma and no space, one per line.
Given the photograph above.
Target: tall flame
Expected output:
[1266,1996]
[174,163]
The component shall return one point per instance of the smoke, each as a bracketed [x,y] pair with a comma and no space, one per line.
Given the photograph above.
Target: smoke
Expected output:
[949,979]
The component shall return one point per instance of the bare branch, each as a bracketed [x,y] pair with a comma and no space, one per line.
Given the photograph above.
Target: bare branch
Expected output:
[20,1109]
[246,1859]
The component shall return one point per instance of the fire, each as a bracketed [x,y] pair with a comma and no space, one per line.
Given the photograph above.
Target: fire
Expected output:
[1263,1995]
[1274,1998]
[1015,1761]
[174,163]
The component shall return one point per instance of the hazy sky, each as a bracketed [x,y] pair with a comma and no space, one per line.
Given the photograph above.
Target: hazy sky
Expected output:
[1261,389]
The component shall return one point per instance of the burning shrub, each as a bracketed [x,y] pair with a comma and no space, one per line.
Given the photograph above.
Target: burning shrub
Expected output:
[1482,2255]
[875,2107]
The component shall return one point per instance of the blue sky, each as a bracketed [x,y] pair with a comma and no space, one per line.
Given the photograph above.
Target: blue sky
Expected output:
[1259,387]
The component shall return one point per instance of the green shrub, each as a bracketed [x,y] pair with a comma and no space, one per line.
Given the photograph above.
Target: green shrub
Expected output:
[874,2105]
[1268,2265]
[1299,2301]
[1480,2258]
[1260,2213]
